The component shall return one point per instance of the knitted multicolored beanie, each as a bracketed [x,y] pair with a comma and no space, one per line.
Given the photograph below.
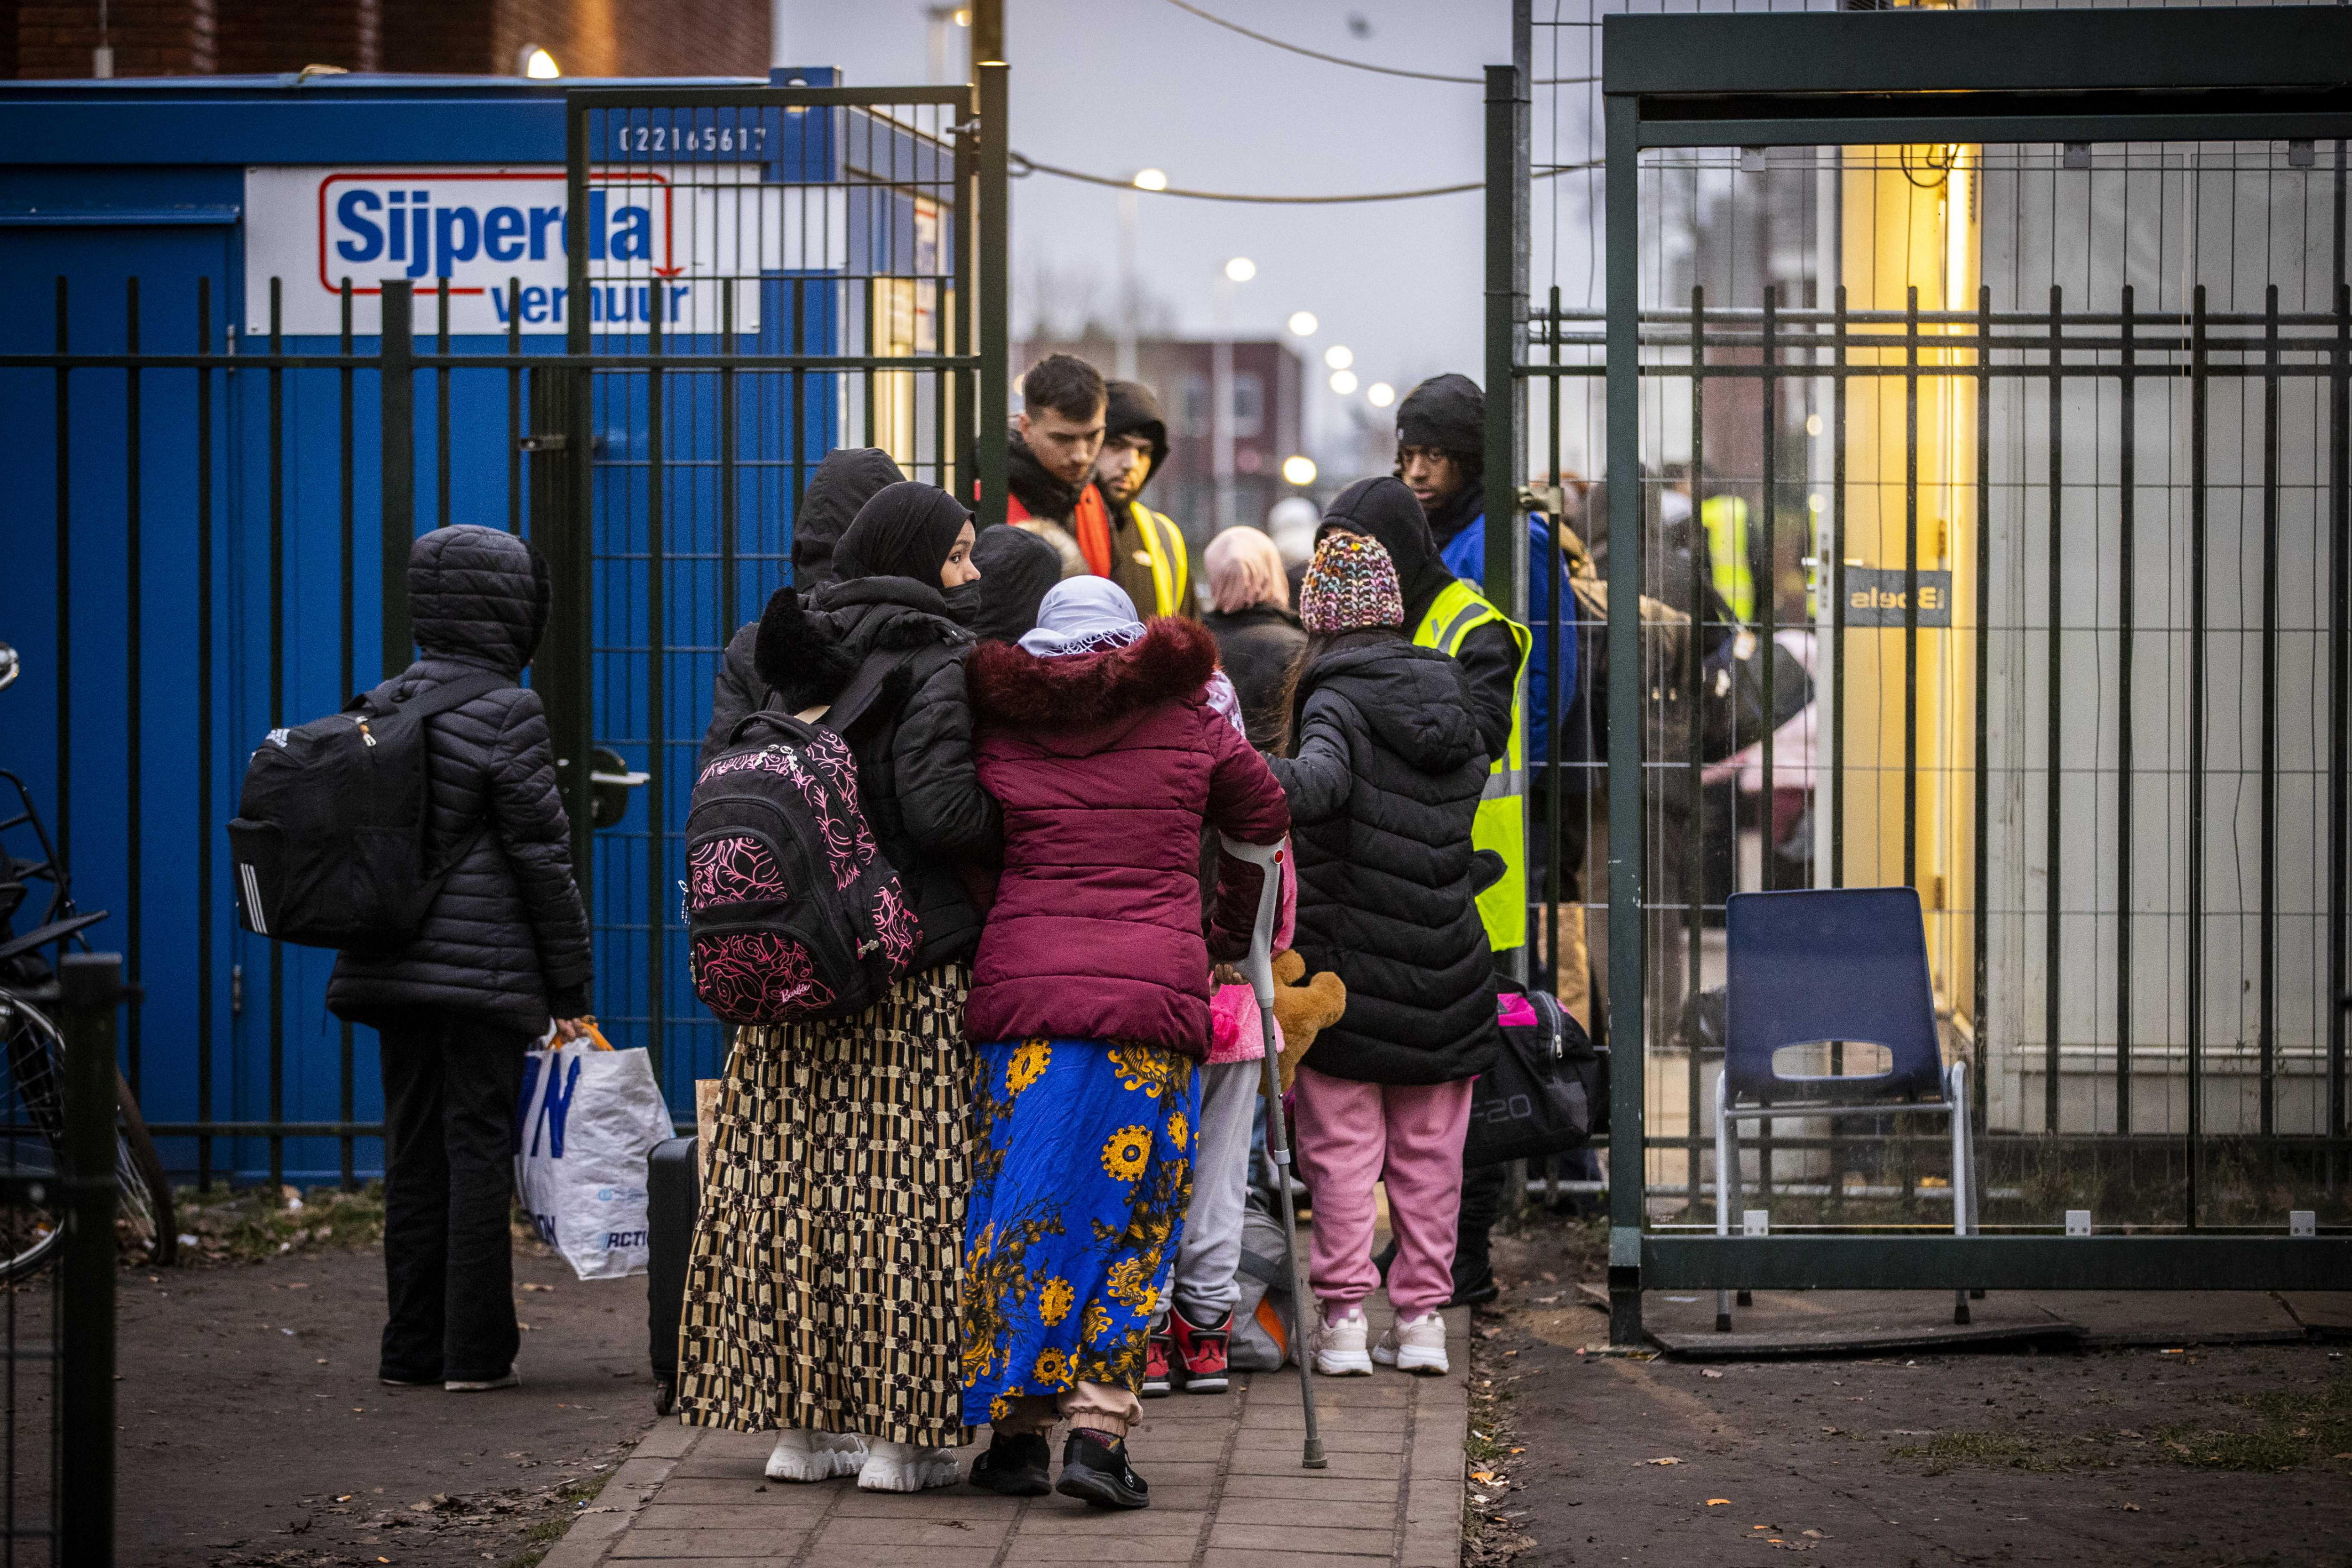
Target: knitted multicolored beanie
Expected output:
[1350,585]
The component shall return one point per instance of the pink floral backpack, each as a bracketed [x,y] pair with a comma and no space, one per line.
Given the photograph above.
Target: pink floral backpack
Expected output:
[793,911]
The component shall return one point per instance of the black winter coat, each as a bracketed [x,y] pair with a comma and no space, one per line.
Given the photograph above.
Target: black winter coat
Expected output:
[1383,788]
[1257,648]
[917,781]
[505,940]
[844,481]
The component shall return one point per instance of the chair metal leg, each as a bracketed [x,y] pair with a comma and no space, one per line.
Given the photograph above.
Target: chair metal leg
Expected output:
[1726,1180]
[1956,1091]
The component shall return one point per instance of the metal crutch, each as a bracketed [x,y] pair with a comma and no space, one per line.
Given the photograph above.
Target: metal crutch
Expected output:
[1259,967]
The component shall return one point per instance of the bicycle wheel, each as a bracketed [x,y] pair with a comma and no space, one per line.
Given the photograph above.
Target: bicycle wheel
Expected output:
[35,1130]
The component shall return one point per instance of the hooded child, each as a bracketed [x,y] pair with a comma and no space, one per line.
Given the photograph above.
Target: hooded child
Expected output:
[822,1292]
[1090,1009]
[1384,787]
[1016,569]
[503,948]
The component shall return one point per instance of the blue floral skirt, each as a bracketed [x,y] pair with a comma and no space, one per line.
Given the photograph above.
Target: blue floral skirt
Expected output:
[1081,1171]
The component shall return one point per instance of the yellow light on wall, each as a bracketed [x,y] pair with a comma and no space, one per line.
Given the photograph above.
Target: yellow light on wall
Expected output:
[538,65]
[1298,471]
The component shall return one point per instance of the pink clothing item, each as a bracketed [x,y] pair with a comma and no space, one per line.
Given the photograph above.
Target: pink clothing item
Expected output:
[1236,1034]
[1352,1134]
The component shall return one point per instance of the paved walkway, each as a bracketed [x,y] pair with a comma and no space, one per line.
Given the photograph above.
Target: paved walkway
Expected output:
[1226,1491]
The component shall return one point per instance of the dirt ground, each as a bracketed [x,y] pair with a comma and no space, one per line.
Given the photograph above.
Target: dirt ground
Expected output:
[254,1431]
[2217,1455]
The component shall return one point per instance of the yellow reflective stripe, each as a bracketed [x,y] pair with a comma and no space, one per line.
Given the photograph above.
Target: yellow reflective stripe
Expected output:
[1170,564]
[1501,822]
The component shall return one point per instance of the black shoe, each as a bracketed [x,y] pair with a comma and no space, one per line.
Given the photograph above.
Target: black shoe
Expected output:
[1016,1465]
[1475,1292]
[1097,1472]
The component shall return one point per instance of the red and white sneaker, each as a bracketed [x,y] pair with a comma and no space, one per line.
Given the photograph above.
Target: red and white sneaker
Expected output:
[1201,1352]
[1157,1355]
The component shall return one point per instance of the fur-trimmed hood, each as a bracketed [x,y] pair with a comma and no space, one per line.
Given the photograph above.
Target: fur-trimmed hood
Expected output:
[807,648]
[1074,694]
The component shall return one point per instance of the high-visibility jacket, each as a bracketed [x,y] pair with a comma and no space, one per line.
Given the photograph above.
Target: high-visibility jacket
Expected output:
[1724,520]
[1502,821]
[1163,552]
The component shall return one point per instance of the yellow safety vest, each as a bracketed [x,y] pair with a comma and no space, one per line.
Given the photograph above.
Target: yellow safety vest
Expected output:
[1502,821]
[1172,564]
[1724,518]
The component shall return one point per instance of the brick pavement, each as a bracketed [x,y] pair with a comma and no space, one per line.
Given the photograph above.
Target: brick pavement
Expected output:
[1226,1491]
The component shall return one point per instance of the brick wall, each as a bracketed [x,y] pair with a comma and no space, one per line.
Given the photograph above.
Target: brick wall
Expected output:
[150,37]
[587,38]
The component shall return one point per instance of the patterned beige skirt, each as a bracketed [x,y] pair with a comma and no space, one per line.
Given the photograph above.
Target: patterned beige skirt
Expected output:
[822,1289]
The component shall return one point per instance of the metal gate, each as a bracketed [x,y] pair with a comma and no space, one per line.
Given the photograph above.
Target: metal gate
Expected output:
[1976,395]
[216,507]
[805,284]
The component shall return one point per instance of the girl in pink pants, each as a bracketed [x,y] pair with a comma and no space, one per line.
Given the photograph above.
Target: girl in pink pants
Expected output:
[1383,788]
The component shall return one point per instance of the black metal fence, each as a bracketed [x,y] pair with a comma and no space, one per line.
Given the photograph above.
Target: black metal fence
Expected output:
[57,1314]
[1967,470]
[231,504]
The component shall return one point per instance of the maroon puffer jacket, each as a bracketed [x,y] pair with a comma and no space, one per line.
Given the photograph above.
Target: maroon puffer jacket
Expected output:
[1107,765]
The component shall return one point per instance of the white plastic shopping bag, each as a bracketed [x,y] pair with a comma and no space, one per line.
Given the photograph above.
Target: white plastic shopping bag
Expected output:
[587,1119]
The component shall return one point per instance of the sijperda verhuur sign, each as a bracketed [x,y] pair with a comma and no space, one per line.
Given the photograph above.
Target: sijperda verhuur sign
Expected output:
[496,239]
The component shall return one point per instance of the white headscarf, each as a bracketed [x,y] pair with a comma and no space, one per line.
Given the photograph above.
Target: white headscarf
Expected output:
[1083,614]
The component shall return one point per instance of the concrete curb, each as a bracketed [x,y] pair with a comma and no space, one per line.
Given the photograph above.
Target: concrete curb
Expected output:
[641,1475]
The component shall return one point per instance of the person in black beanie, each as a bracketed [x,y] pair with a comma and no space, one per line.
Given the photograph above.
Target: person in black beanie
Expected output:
[1148,554]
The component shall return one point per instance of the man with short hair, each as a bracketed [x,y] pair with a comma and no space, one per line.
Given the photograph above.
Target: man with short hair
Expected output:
[1050,473]
[1147,554]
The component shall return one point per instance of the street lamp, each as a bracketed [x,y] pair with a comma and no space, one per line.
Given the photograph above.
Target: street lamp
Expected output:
[1380,395]
[1339,356]
[1298,471]
[1303,324]
[1343,381]
[1237,270]
[1150,180]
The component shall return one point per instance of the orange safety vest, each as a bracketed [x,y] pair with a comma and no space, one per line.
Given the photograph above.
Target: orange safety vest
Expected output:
[1090,523]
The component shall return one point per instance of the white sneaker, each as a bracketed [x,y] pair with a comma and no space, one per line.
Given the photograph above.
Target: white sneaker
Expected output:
[805,1456]
[904,1468]
[1338,1346]
[1416,1346]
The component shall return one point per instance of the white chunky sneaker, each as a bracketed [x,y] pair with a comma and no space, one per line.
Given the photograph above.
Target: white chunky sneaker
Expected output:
[1417,1345]
[804,1455]
[904,1468]
[1339,1346]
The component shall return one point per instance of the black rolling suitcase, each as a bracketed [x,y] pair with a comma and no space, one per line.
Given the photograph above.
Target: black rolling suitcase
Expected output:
[673,1200]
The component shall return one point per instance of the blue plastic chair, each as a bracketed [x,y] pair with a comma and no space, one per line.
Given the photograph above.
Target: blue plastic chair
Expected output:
[1823,964]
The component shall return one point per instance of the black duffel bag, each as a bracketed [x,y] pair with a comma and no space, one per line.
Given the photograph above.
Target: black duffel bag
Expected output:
[1547,1092]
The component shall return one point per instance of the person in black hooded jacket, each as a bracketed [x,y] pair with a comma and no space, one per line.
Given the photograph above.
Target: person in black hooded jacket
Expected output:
[847,479]
[504,945]
[1385,785]
[823,1286]
[1016,570]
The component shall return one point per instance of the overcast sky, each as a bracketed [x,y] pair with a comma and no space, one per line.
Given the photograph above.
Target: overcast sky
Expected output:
[1109,88]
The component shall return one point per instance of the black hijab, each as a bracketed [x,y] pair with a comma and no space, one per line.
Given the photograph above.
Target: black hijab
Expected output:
[1016,568]
[905,531]
[1384,509]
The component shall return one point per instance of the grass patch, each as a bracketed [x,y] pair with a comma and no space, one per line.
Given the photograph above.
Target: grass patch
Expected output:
[252,1224]
[2295,1425]
[1994,1450]
[563,1507]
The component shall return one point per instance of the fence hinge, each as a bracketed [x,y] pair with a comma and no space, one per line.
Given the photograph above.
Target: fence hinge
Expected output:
[541,443]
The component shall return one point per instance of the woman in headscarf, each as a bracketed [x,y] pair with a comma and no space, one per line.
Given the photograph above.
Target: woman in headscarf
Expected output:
[1016,568]
[1258,638]
[822,1297]
[1090,1005]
